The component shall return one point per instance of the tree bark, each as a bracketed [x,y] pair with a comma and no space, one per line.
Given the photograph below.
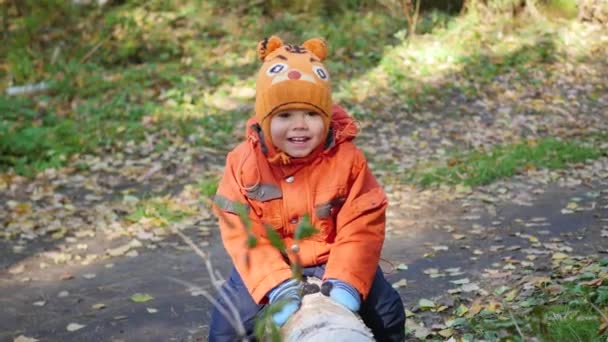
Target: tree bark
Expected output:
[321,320]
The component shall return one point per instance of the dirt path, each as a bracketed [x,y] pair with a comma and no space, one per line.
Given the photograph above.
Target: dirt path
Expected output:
[485,236]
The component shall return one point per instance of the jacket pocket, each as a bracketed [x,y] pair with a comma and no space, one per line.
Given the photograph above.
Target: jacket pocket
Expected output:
[326,212]
[266,200]
[272,214]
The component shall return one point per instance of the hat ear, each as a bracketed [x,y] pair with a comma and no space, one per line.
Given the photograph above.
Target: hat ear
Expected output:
[316,46]
[269,44]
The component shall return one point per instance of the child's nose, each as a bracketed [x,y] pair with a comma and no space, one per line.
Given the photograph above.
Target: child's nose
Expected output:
[300,121]
[294,75]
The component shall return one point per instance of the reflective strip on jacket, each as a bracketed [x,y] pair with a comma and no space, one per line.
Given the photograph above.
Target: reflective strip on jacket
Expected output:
[334,187]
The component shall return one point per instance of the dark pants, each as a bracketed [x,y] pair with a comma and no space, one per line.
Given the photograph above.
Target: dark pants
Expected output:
[382,311]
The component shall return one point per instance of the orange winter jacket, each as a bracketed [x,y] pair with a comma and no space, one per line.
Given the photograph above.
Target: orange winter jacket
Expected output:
[333,185]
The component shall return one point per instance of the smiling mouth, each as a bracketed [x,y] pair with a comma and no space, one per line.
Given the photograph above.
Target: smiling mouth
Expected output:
[298,139]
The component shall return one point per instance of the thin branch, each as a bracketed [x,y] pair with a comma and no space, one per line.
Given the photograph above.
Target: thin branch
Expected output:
[214,277]
[234,323]
[516,325]
[604,317]
[92,51]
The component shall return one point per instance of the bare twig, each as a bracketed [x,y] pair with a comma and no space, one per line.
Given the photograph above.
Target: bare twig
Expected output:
[27,89]
[92,51]
[516,325]
[604,317]
[233,317]
[234,323]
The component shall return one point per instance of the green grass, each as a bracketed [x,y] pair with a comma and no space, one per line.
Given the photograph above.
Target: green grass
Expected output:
[183,65]
[483,167]
[180,63]
[160,211]
[208,185]
[563,307]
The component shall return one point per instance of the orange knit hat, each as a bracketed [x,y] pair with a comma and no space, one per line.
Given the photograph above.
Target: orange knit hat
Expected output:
[292,77]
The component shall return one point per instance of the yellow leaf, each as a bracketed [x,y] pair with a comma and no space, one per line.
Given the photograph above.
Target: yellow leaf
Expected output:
[572,206]
[461,310]
[559,256]
[446,332]
[509,297]
[475,308]
[98,306]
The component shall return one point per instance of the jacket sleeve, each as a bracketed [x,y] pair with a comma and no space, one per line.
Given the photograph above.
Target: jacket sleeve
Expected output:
[360,227]
[261,267]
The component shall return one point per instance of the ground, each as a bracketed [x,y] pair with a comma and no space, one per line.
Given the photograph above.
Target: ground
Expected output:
[482,236]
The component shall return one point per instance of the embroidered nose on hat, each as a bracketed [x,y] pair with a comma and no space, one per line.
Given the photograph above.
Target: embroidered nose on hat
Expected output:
[292,77]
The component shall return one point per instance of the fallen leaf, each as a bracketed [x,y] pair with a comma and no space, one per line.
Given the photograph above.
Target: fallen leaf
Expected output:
[98,306]
[17,269]
[141,297]
[572,206]
[74,326]
[151,310]
[132,253]
[460,281]
[470,287]
[66,276]
[446,332]
[419,331]
[400,283]
[494,306]
[475,308]
[89,275]
[39,303]
[426,304]
[22,338]
[439,248]
[559,256]
[593,283]
[499,291]
[461,310]
[402,267]
[441,308]
[430,271]
[509,297]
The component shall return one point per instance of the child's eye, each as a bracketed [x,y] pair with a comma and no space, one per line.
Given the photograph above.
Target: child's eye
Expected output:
[321,72]
[313,113]
[284,115]
[276,68]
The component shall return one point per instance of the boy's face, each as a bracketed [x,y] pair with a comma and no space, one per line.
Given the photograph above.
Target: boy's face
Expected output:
[297,132]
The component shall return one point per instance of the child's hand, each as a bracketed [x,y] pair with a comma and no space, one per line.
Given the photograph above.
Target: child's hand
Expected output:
[342,293]
[288,292]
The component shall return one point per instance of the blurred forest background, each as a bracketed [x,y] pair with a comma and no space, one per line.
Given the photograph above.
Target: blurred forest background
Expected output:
[92,76]
[115,117]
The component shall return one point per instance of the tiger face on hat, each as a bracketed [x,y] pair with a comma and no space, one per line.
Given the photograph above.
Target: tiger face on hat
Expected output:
[292,77]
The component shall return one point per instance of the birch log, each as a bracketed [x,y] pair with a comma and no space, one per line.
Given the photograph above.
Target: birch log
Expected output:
[322,320]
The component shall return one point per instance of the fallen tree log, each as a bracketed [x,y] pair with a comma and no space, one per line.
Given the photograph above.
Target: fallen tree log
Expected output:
[320,319]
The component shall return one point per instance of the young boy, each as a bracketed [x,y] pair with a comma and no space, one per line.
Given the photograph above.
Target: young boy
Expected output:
[299,159]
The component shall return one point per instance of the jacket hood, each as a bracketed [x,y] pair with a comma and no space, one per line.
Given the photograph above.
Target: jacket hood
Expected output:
[342,128]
